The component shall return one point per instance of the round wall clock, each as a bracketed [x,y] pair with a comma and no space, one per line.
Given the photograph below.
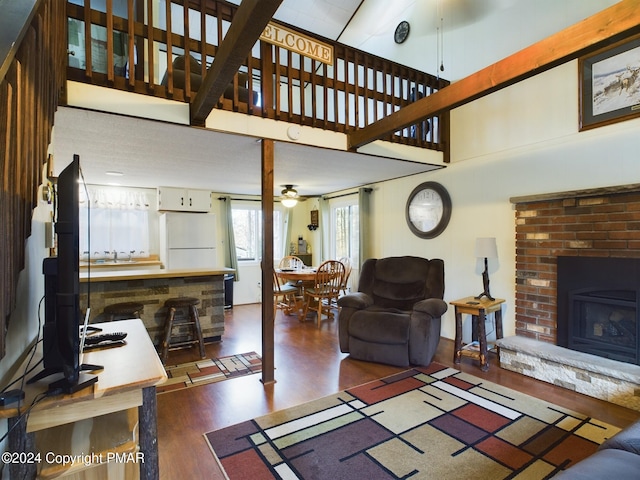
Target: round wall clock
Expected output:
[402,32]
[428,210]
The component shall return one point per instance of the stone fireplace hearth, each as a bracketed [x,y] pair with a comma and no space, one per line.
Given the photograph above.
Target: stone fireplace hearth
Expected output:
[603,222]
[597,377]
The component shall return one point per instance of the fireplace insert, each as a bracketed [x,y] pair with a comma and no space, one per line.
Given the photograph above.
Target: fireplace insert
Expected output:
[598,306]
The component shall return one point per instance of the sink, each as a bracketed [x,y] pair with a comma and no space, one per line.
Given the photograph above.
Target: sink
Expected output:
[110,262]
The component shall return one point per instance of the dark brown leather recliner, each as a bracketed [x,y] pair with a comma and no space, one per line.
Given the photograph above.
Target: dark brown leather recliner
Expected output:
[394,317]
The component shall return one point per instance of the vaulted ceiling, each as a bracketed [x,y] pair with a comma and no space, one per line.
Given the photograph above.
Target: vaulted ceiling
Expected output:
[459,35]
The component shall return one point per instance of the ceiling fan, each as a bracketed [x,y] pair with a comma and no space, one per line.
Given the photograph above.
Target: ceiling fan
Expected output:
[290,196]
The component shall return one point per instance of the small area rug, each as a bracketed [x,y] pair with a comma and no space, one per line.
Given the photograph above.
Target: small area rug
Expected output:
[426,423]
[209,370]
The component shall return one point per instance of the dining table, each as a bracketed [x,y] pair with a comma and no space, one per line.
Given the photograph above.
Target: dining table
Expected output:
[304,277]
[305,274]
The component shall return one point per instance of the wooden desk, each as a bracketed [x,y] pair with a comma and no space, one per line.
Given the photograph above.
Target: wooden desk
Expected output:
[478,309]
[128,381]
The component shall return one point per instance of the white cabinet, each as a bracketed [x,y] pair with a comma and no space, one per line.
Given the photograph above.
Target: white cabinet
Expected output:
[184,200]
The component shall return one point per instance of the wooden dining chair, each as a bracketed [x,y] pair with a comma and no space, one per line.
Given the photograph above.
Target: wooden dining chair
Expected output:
[325,289]
[285,297]
[344,284]
[294,263]
[291,261]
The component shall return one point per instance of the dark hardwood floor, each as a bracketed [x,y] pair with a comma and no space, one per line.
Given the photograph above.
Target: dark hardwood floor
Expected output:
[309,365]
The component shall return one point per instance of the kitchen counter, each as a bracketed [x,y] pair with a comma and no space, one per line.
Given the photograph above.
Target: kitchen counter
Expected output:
[152,287]
[144,274]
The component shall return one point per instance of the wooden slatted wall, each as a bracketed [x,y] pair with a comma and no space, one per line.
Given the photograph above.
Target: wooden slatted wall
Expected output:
[29,94]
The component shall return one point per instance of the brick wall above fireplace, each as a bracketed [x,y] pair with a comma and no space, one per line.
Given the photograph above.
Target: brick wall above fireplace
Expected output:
[602,222]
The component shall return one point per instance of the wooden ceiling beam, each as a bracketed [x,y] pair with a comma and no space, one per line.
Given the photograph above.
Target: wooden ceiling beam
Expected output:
[247,25]
[604,27]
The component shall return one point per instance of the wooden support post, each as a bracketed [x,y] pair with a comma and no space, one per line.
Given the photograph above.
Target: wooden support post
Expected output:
[268,317]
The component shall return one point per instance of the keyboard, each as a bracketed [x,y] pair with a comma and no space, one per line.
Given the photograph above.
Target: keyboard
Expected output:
[104,339]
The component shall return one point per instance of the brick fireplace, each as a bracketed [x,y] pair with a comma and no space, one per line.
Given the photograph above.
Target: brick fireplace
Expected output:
[602,222]
[598,223]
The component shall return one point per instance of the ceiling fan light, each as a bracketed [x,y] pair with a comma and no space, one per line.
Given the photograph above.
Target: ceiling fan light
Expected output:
[289,191]
[289,202]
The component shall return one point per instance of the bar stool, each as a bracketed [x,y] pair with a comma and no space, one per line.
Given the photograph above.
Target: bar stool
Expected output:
[124,309]
[172,304]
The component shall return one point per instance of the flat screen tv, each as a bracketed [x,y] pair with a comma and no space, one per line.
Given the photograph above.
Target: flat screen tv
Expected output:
[61,331]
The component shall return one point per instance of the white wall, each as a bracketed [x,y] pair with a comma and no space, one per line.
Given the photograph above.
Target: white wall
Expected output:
[519,141]
[27,316]
[464,35]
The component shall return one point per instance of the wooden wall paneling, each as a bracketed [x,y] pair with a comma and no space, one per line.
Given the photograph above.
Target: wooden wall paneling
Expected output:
[203,41]
[131,38]
[276,81]
[169,18]
[110,64]
[250,105]
[334,88]
[301,71]
[268,78]
[88,57]
[347,83]
[362,100]
[314,93]
[355,90]
[187,52]
[365,89]
[28,178]
[290,85]
[325,94]
[6,200]
[150,52]
[10,206]
[29,93]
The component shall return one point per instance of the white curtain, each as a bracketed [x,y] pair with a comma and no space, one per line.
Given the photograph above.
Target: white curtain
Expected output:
[113,220]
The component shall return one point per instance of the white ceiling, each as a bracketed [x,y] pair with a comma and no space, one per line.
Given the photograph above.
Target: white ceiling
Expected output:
[464,35]
[151,154]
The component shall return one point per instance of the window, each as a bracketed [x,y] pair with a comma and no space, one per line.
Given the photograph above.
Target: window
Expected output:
[247,230]
[113,220]
[346,233]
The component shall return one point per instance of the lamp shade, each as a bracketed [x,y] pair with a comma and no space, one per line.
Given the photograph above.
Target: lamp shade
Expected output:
[289,202]
[486,247]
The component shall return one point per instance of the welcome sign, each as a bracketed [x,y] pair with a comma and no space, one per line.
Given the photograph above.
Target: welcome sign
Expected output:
[297,42]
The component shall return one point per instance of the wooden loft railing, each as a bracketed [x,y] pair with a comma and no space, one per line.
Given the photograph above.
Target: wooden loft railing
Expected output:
[128,53]
[31,79]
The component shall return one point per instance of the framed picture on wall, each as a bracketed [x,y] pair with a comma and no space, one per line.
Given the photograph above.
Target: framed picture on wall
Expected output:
[610,84]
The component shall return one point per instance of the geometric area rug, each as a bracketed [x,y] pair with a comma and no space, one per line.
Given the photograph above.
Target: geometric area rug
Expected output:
[209,370]
[429,422]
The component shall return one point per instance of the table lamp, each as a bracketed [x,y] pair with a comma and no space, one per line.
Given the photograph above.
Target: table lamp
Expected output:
[486,248]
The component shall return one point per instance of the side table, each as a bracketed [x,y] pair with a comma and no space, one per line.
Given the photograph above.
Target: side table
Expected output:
[478,308]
